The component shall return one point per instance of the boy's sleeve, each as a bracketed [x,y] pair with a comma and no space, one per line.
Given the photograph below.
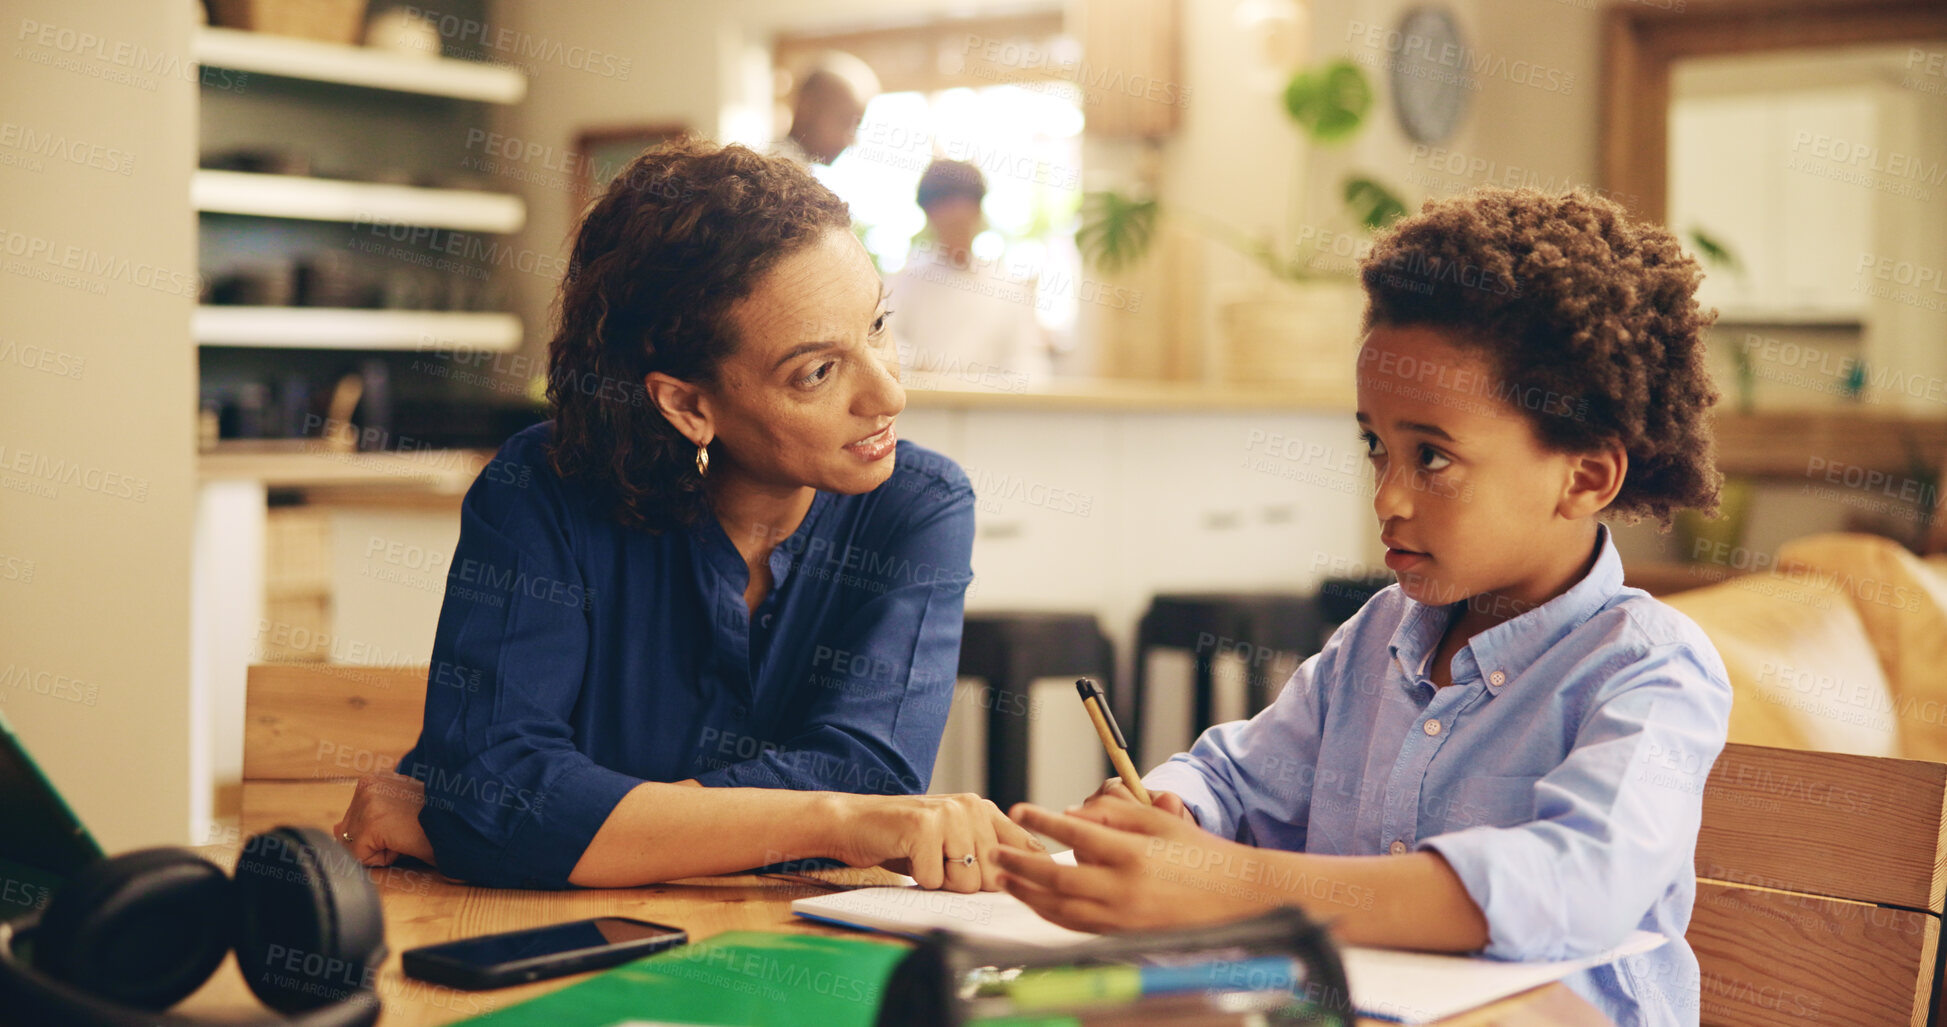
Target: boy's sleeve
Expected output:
[1261,768]
[1615,823]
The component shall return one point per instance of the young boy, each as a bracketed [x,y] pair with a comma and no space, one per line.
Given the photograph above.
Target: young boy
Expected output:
[1506,751]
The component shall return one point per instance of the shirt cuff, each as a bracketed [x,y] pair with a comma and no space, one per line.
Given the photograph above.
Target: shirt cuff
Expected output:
[748,774]
[1178,776]
[1512,876]
[551,839]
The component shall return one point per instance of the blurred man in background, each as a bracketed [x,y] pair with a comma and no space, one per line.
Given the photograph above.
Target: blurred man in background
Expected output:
[827,108]
[962,322]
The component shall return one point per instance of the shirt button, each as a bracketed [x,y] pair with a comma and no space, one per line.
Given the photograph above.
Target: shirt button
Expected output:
[1497,679]
[1398,847]
[1431,727]
[742,710]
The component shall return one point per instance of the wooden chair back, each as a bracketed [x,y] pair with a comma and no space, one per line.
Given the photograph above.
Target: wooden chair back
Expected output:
[311,730]
[1820,879]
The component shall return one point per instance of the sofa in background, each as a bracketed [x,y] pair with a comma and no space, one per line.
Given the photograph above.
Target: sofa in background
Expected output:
[1840,647]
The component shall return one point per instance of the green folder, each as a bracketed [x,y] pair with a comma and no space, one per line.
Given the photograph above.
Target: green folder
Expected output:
[755,978]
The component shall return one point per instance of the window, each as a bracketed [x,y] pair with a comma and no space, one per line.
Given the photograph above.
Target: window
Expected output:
[1026,140]
[988,92]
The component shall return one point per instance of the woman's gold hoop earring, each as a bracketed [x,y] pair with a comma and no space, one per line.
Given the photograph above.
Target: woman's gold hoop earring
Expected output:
[702,461]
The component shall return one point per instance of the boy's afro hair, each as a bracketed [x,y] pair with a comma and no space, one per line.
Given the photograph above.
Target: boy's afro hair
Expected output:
[1569,297]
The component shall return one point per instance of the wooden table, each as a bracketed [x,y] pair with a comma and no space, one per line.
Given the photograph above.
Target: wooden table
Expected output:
[422,908]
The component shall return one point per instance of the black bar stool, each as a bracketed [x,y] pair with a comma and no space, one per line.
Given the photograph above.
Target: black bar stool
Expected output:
[1009,651]
[1340,598]
[1265,629]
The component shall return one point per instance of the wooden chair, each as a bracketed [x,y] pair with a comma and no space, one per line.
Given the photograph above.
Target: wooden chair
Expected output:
[1820,880]
[311,730]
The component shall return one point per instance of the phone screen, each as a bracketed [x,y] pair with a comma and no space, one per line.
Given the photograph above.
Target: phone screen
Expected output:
[515,946]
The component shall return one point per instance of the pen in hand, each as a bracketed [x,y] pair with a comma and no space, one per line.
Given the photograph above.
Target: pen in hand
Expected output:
[1097,706]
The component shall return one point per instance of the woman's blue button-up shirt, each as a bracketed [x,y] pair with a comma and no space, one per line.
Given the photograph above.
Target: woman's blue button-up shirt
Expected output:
[576,658]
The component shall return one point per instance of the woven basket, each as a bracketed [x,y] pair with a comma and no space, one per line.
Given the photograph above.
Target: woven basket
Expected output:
[331,21]
[1300,334]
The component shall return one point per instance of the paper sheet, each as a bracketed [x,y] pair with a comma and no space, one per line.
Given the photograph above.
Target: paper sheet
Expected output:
[1408,987]
[1418,987]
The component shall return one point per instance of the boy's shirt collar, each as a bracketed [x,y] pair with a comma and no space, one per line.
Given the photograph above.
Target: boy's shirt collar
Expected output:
[1503,651]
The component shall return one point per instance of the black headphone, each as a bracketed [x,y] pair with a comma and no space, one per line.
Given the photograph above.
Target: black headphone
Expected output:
[128,937]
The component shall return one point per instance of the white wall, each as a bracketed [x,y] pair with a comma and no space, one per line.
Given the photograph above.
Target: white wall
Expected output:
[97,408]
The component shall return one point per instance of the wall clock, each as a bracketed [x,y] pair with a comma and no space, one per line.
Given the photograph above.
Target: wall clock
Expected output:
[1429,74]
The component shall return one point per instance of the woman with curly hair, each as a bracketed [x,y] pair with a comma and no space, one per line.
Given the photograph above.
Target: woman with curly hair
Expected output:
[716,565]
[1505,751]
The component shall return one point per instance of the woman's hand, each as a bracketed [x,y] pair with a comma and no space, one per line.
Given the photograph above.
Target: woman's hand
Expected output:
[927,837]
[1113,788]
[383,820]
[1136,867]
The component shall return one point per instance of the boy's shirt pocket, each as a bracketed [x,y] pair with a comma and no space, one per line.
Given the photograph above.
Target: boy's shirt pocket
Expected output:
[1480,801]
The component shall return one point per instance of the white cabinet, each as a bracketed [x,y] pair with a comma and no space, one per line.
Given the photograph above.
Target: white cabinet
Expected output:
[1828,214]
[1830,194]
[1903,276]
[1100,509]
[1751,171]
[1707,135]
[1044,504]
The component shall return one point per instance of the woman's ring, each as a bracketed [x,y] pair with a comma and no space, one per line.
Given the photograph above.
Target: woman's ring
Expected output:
[965,861]
[345,836]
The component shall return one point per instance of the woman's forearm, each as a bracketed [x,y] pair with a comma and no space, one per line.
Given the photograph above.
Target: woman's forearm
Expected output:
[660,832]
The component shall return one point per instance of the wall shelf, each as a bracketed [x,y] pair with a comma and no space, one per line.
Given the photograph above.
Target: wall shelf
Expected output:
[1785,444]
[335,328]
[1853,318]
[1133,395]
[318,464]
[323,199]
[289,57]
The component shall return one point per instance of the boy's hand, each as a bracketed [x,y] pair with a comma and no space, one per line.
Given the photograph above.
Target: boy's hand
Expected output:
[1113,788]
[1136,867]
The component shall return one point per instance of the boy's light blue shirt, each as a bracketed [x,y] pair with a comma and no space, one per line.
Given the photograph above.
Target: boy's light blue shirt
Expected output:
[1561,775]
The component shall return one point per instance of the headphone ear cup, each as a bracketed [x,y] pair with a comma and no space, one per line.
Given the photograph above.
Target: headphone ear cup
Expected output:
[145,928]
[309,928]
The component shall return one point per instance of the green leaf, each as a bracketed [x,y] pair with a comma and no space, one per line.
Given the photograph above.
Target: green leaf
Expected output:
[1715,252]
[1116,230]
[1373,204]
[1331,102]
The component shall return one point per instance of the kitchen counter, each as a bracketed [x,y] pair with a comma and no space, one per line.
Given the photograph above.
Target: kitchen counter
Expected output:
[317,467]
[1781,444]
[1141,396]
[439,470]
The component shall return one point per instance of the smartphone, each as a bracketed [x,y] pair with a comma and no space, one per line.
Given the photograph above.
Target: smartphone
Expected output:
[516,957]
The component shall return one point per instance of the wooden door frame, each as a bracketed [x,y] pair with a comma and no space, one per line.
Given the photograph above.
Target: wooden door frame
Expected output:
[1641,42]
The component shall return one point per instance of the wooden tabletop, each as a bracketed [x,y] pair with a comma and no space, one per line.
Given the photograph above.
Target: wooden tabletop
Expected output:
[422,908]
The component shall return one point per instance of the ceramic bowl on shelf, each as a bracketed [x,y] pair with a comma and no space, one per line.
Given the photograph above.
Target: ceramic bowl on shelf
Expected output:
[330,21]
[403,31]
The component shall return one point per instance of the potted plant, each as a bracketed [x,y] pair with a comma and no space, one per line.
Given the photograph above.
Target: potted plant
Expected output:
[1726,530]
[1303,328]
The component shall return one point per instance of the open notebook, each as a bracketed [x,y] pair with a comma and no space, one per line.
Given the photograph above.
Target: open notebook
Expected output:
[1408,987]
